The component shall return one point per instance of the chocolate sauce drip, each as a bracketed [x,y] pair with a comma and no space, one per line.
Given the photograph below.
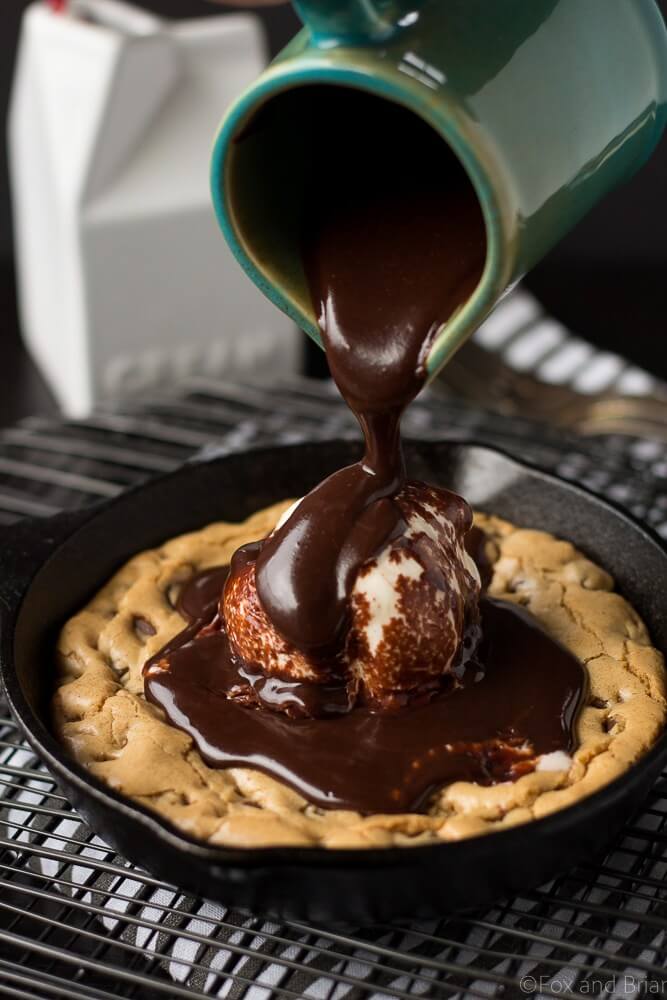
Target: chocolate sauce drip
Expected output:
[395,245]
[200,596]
[518,697]
[198,599]
[204,640]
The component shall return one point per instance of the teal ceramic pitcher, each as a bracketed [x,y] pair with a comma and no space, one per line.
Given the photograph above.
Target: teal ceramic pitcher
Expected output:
[548,105]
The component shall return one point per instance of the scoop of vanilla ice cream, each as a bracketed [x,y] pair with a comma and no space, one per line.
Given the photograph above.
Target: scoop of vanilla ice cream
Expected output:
[410,607]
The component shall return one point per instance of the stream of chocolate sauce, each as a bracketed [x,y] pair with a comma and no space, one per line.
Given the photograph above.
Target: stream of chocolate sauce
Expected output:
[519,697]
[394,244]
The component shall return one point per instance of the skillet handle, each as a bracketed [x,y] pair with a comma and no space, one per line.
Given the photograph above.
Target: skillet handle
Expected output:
[25,545]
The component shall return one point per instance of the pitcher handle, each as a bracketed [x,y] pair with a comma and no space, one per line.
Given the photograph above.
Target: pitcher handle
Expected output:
[354,21]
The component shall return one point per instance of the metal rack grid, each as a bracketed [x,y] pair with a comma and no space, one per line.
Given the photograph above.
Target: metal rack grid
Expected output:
[76,920]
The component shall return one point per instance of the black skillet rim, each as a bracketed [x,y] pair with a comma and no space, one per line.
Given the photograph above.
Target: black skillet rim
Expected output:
[86,785]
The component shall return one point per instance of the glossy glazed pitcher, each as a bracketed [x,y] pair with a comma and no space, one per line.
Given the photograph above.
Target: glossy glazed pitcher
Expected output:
[548,104]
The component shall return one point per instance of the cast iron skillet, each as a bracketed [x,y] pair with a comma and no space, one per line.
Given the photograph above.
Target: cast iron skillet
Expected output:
[51,567]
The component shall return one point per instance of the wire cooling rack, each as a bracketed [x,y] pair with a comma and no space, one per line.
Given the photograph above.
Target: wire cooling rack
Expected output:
[78,921]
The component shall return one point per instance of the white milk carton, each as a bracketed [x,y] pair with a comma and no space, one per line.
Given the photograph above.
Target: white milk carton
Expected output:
[125,281]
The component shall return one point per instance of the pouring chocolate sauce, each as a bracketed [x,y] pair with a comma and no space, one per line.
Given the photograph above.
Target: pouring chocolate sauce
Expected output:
[391,255]
[395,253]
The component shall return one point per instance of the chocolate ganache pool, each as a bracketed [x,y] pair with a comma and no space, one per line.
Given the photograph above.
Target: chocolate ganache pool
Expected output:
[517,698]
[275,670]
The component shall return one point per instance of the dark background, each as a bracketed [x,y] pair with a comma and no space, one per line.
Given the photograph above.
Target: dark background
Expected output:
[607,280]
